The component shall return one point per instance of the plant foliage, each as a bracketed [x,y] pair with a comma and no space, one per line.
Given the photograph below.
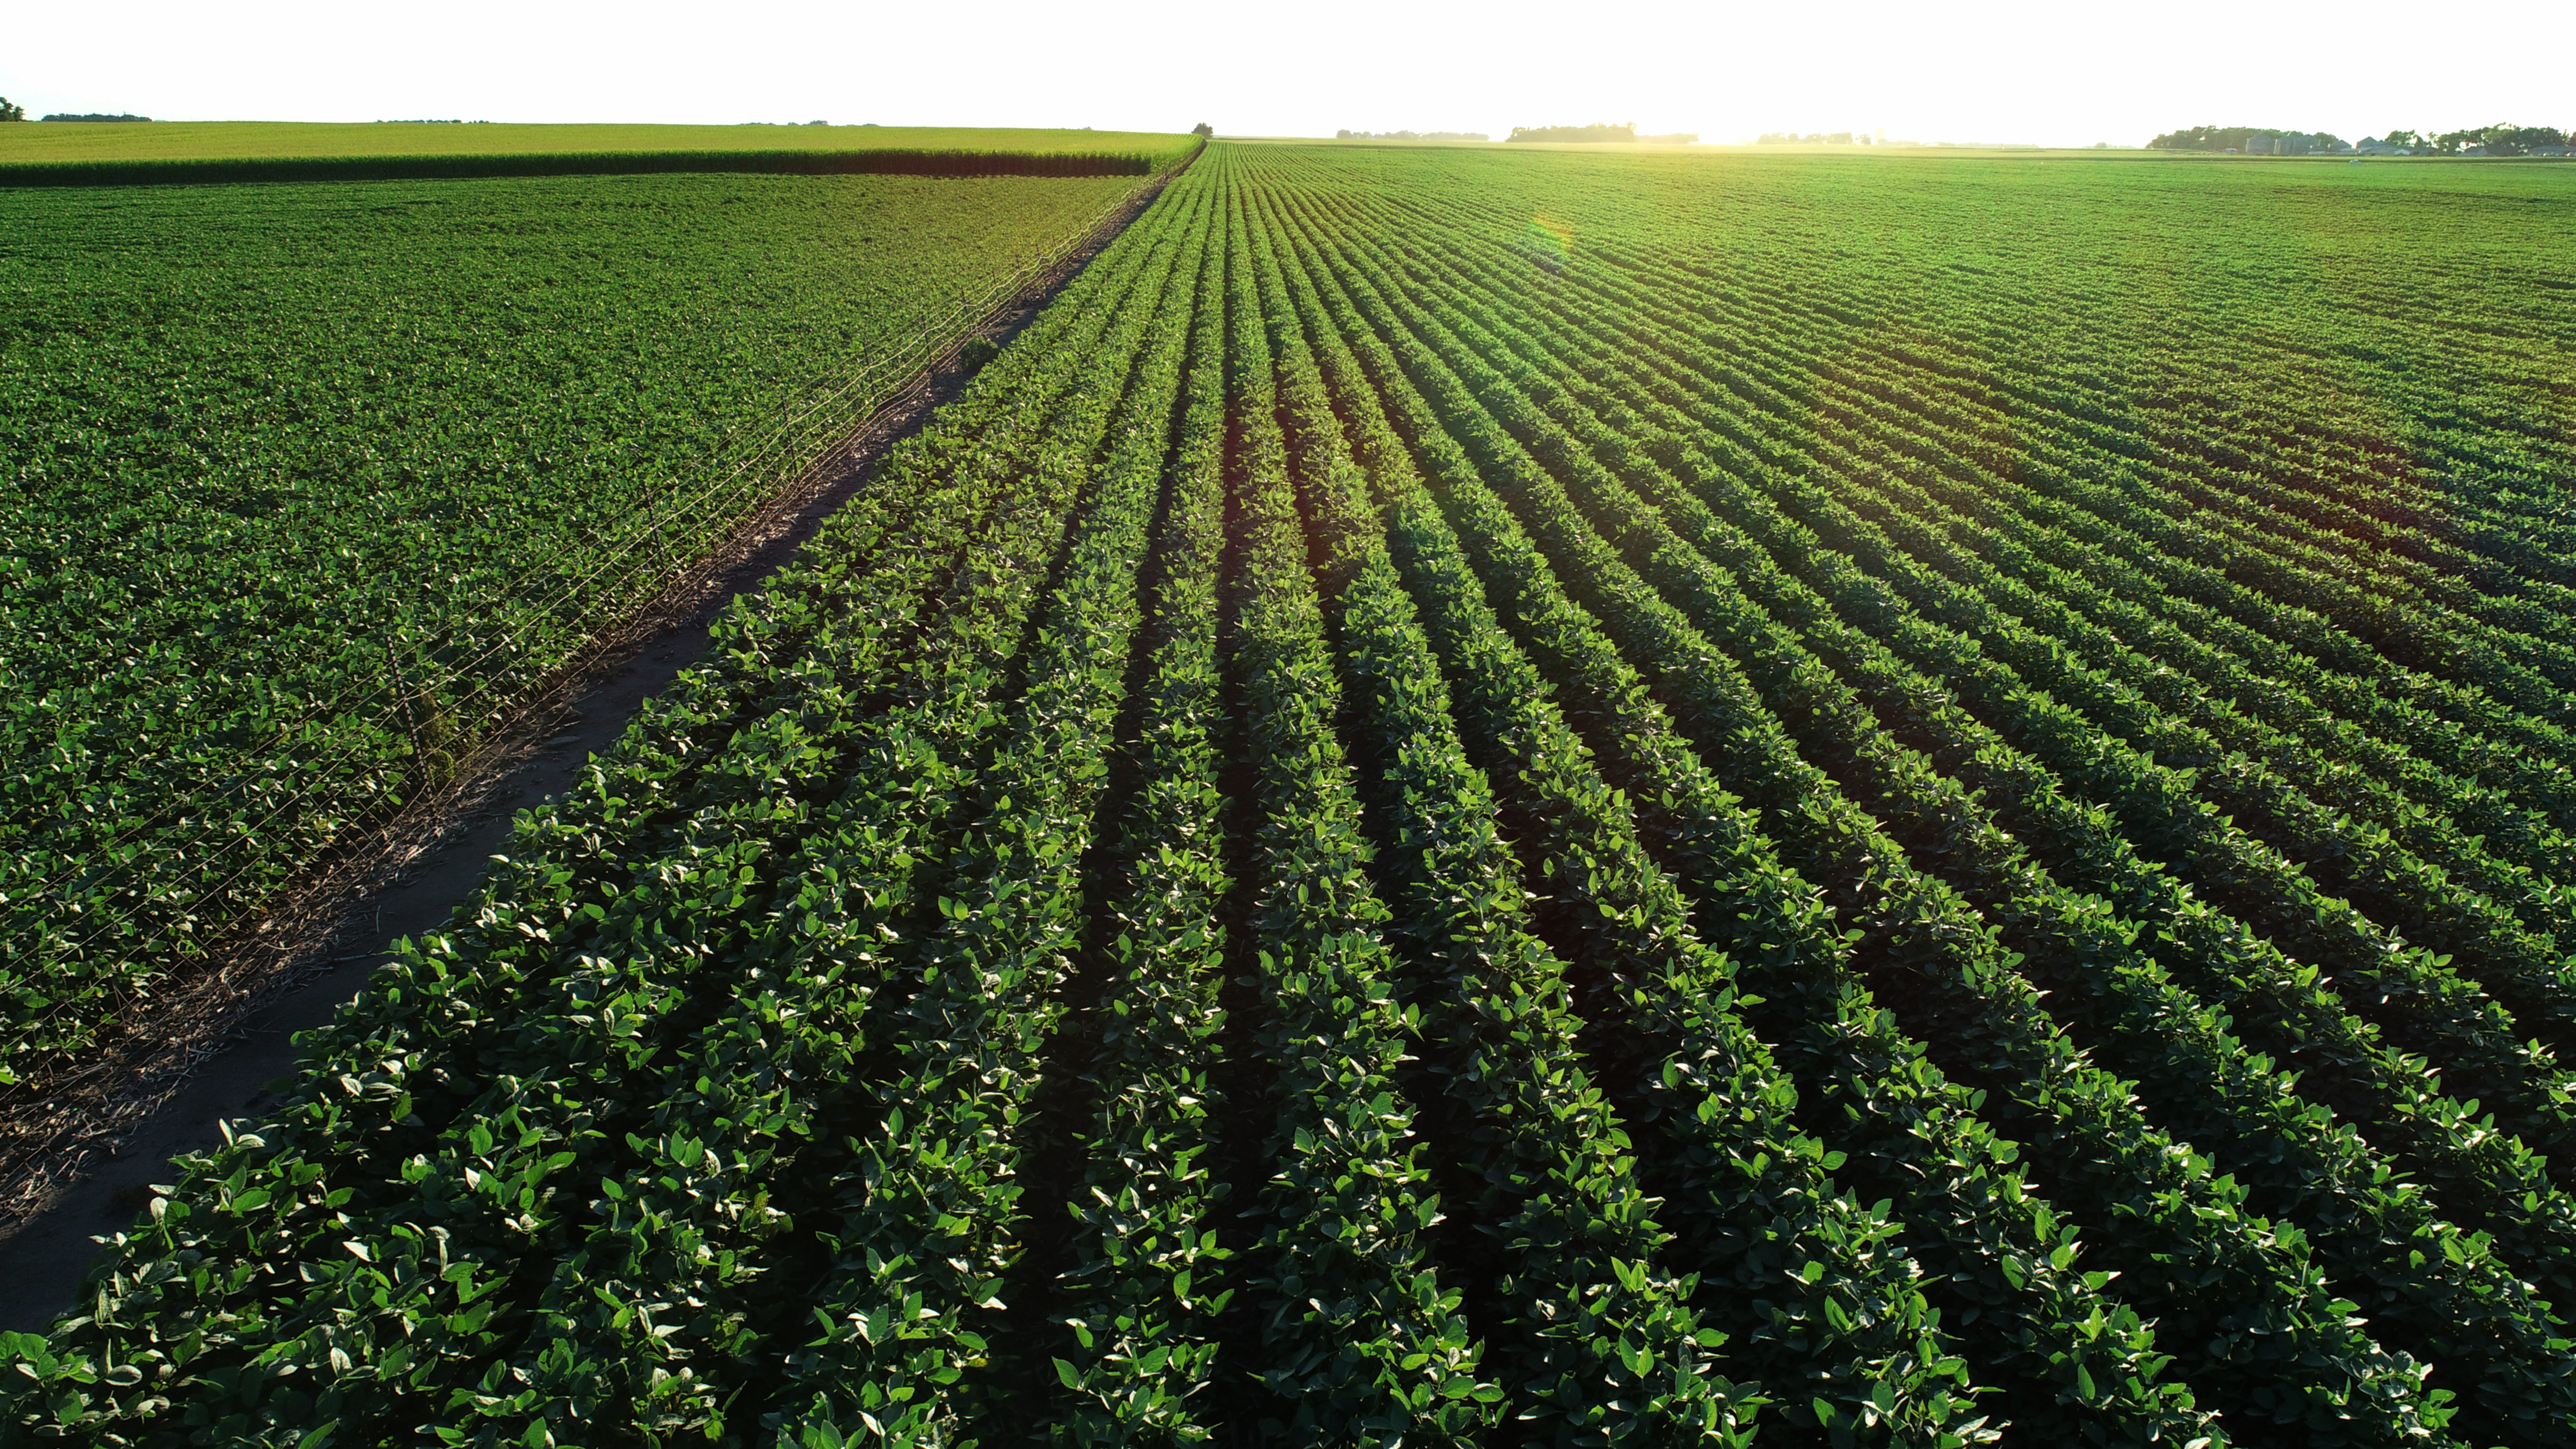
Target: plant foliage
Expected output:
[1793,818]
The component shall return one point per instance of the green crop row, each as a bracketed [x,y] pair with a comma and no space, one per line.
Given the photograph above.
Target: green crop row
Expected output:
[2002,1240]
[1360,1337]
[1603,1342]
[1538,800]
[314,486]
[1975,754]
[764,838]
[1801,1272]
[1148,1281]
[1600,372]
[2049,906]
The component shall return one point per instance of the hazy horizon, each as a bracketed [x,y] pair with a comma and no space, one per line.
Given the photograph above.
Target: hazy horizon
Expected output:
[1995,72]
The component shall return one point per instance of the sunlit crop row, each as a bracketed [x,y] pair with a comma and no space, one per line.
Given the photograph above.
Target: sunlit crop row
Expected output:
[1388,833]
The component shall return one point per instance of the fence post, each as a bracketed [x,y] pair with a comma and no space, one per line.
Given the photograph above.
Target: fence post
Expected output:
[402,696]
[662,544]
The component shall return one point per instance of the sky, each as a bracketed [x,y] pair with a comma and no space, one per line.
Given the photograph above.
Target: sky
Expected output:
[2051,74]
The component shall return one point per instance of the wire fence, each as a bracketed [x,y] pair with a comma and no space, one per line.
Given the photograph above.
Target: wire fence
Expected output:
[673,529]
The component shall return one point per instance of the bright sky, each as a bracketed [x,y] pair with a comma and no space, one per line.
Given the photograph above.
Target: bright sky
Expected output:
[1970,70]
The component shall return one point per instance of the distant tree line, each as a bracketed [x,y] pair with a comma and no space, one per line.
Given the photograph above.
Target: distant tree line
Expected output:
[2249,141]
[2501,139]
[1411,136]
[11,110]
[2504,138]
[68,116]
[1624,131]
[1817,138]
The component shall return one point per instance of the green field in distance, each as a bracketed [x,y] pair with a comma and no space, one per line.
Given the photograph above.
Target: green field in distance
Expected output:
[235,140]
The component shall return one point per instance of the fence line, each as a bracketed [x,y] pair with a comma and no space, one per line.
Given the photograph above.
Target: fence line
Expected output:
[835,410]
[912,347]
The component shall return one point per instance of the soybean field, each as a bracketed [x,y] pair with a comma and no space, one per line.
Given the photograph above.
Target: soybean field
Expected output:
[187,141]
[1493,799]
[310,485]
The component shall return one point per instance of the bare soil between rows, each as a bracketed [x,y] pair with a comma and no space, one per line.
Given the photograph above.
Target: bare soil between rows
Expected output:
[78,1155]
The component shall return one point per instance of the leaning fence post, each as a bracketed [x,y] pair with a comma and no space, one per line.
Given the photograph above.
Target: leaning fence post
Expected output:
[402,696]
[653,516]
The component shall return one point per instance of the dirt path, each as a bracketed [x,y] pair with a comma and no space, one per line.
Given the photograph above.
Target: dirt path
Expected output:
[84,1168]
